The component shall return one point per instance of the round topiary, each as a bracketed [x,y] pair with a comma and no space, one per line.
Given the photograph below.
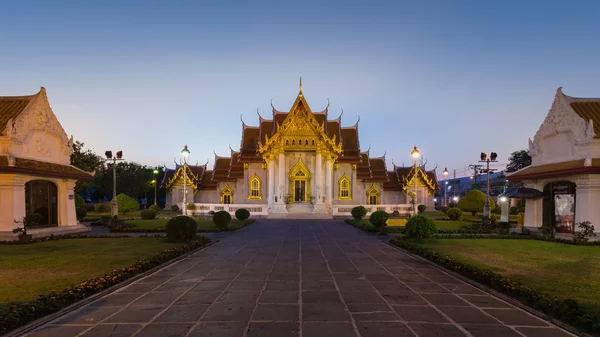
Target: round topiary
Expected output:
[155,208]
[127,203]
[378,219]
[420,226]
[34,219]
[99,208]
[79,201]
[359,212]
[80,212]
[191,207]
[421,208]
[222,219]
[175,208]
[445,209]
[474,202]
[148,214]
[181,228]
[454,213]
[242,214]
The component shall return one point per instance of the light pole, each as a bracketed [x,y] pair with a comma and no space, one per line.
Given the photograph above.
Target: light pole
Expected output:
[415,154]
[185,153]
[445,184]
[155,172]
[485,159]
[114,205]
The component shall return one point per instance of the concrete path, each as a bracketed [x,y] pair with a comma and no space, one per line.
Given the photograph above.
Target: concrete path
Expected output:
[312,278]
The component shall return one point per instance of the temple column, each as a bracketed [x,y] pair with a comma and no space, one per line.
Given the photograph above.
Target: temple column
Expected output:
[318,174]
[278,188]
[271,183]
[328,180]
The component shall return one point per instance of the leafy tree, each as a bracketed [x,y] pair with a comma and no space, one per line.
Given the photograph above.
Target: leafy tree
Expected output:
[85,160]
[518,160]
[474,201]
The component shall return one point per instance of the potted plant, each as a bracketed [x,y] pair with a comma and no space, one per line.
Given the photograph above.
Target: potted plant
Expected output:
[29,220]
[586,231]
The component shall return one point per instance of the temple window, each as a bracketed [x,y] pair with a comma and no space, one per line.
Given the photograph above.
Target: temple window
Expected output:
[226,195]
[293,142]
[344,185]
[287,142]
[306,142]
[254,188]
[373,196]
[313,142]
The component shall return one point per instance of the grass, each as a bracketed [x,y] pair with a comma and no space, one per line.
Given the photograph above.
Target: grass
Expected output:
[565,271]
[204,225]
[132,214]
[466,216]
[30,270]
[397,223]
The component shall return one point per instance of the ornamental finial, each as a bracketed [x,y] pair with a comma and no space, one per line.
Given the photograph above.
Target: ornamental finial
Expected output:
[300,83]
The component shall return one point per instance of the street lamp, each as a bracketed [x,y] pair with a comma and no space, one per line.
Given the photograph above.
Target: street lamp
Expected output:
[485,159]
[445,184]
[155,173]
[114,205]
[185,153]
[415,154]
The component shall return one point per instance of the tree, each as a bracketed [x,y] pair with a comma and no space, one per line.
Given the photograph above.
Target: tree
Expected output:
[85,160]
[474,201]
[518,160]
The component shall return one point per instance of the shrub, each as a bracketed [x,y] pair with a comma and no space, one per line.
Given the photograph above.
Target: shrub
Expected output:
[100,208]
[222,219]
[378,219]
[420,226]
[34,219]
[148,214]
[445,209]
[175,208]
[497,210]
[242,214]
[474,201]
[586,230]
[359,212]
[454,213]
[191,206]
[155,208]
[79,202]
[127,203]
[105,219]
[181,228]
[80,212]
[421,208]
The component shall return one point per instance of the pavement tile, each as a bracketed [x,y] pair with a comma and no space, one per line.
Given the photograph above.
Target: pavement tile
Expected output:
[379,316]
[361,285]
[220,276]
[381,278]
[367,307]
[112,330]
[348,277]
[320,297]
[543,332]
[323,312]
[164,330]
[210,286]
[276,312]
[175,287]
[379,329]
[193,298]
[182,313]
[462,289]
[485,301]
[279,296]
[136,314]
[115,300]
[424,287]
[411,277]
[233,312]
[58,331]
[436,330]
[445,299]
[328,329]
[467,315]
[515,317]
[325,285]
[275,329]
[403,298]
[246,285]
[239,296]
[362,297]
[137,288]
[282,285]
[490,330]
[156,278]
[158,298]
[412,313]
[87,315]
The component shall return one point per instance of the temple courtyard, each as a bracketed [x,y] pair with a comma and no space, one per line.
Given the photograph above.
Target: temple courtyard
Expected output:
[299,278]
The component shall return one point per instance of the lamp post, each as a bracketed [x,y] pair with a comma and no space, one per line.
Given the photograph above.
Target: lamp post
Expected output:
[185,153]
[445,184]
[415,154]
[114,205]
[485,159]
[155,172]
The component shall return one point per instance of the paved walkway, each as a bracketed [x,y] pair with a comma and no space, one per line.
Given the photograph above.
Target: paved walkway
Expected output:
[280,278]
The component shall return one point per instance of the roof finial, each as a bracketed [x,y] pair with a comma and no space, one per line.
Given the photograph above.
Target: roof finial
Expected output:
[301,84]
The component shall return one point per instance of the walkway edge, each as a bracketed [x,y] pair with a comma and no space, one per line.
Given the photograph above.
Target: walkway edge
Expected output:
[49,318]
[493,292]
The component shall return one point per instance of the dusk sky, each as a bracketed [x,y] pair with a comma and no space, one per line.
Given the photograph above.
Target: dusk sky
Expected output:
[453,77]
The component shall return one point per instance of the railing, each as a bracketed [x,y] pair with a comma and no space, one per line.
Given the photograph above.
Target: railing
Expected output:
[403,209]
[203,209]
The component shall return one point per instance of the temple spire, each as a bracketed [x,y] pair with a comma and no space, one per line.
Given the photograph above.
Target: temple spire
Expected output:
[300,84]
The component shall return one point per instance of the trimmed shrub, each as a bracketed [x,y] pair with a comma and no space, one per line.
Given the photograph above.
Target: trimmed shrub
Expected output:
[105,219]
[497,209]
[127,204]
[242,214]
[79,202]
[359,212]
[175,208]
[474,201]
[148,214]
[420,226]
[100,208]
[421,208]
[191,207]
[378,219]
[222,219]
[445,209]
[181,228]
[34,219]
[155,208]
[80,212]
[454,213]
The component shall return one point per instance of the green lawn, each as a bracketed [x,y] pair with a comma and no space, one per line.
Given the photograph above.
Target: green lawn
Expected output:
[466,216]
[132,214]
[204,225]
[440,224]
[30,270]
[566,271]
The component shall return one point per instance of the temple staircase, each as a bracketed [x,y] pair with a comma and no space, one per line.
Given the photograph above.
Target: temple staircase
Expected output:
[301,210]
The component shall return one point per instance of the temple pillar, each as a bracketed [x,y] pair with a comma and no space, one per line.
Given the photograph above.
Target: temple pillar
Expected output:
[328,180]
[318,174]
[279,205]
[271,190]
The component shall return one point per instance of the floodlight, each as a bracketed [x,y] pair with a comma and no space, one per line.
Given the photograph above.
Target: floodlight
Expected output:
[483,156]
[119,154]
[446,171]
[108,154]
[494,156]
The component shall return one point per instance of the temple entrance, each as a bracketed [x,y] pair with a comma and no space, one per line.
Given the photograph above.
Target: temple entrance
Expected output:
[300,190]
[41,198]
[559,206]
[300,178]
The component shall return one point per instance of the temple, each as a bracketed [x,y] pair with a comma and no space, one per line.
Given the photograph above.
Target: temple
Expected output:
[299,162]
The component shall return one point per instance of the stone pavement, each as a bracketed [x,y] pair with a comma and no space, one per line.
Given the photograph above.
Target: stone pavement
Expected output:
[280,278]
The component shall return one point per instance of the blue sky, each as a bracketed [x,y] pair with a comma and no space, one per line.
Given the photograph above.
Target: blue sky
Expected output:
[453,77]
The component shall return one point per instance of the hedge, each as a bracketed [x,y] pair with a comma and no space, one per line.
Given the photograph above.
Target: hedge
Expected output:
[568,310]
[23,313]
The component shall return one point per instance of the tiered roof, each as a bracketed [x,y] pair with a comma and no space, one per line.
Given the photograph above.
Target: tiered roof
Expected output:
[401,177]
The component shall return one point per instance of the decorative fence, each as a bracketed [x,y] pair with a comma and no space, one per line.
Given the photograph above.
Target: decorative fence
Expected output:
[203,209]
[346,210]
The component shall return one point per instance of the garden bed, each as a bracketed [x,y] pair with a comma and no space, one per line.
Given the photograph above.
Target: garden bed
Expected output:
[73,265]
[561,280]
[158,226]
